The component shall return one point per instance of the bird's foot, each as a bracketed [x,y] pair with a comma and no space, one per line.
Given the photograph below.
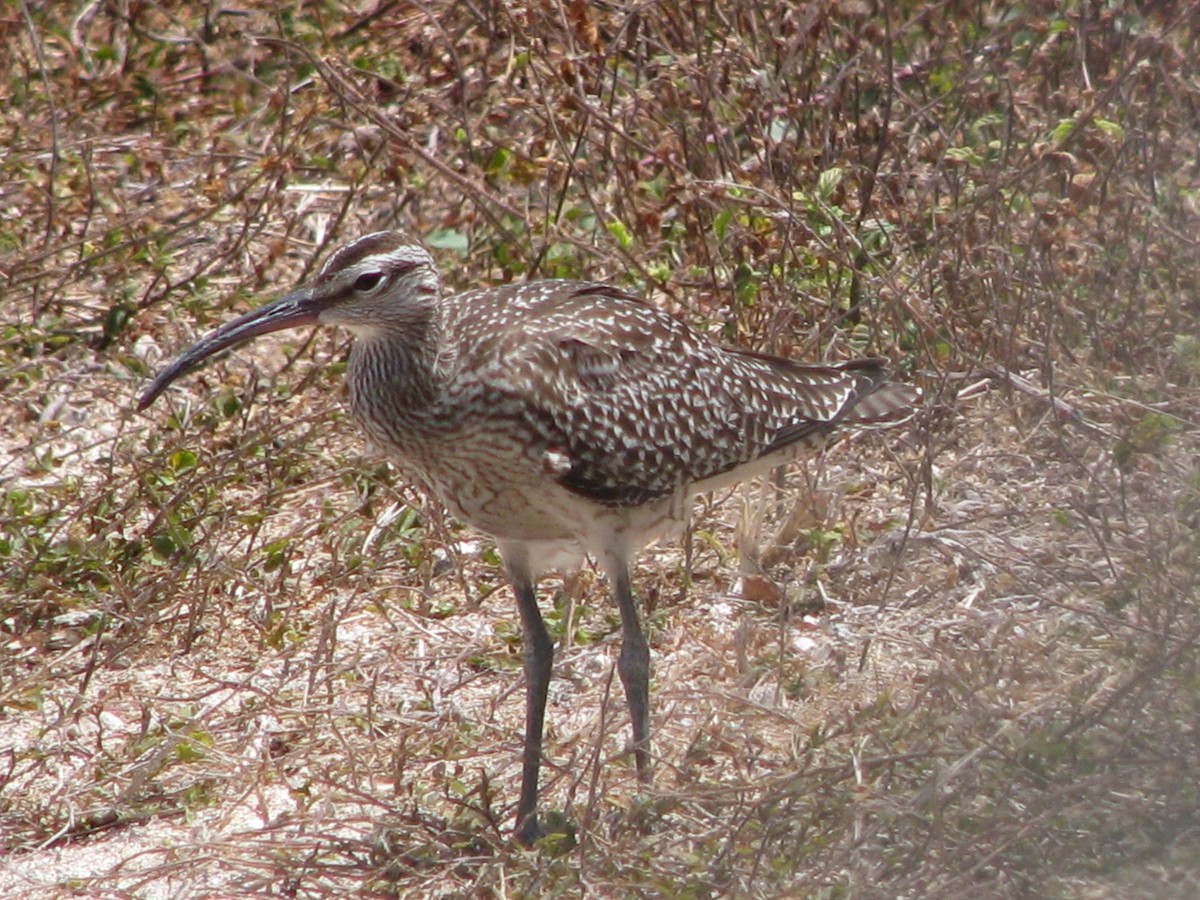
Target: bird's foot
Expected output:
[558,835]
[528,831]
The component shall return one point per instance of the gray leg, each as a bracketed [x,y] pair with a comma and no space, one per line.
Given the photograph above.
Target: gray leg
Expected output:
[633,665]
[539,661]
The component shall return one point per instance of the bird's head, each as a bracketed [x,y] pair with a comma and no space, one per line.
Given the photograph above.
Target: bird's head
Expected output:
[379,283]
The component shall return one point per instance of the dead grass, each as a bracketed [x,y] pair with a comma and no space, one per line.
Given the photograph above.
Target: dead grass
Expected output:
[238,657]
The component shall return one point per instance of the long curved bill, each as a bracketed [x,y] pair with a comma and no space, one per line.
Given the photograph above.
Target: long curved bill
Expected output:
[297,308]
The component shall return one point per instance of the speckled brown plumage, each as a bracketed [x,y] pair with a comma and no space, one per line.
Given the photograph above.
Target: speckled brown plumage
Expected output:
[562,418]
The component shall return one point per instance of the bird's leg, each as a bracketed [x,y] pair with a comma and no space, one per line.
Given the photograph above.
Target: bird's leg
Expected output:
[539,660]
[633,665]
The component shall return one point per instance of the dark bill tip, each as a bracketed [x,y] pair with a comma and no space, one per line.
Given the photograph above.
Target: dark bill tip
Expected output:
[289,311]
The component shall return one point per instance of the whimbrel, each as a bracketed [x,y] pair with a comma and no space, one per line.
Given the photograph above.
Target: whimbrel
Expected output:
[561,418]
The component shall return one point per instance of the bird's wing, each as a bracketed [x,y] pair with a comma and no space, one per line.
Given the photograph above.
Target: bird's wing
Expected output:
[631,404]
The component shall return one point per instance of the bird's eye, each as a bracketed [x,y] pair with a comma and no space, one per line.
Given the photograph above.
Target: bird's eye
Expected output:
[368,281]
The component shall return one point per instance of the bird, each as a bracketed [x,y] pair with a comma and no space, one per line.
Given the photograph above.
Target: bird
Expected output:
[564,419]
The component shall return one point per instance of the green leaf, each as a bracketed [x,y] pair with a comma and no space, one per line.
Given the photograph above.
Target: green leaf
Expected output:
[618,230]
[182,460]
[1062,131]
[828,181]
[963,155]
[448,239]
[721,223]
[1112,129]
[163,545]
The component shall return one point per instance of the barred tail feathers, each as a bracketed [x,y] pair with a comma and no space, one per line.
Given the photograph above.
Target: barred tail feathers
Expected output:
[889,403]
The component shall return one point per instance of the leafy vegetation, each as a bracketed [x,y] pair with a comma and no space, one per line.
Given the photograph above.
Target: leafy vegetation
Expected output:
[238,654]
